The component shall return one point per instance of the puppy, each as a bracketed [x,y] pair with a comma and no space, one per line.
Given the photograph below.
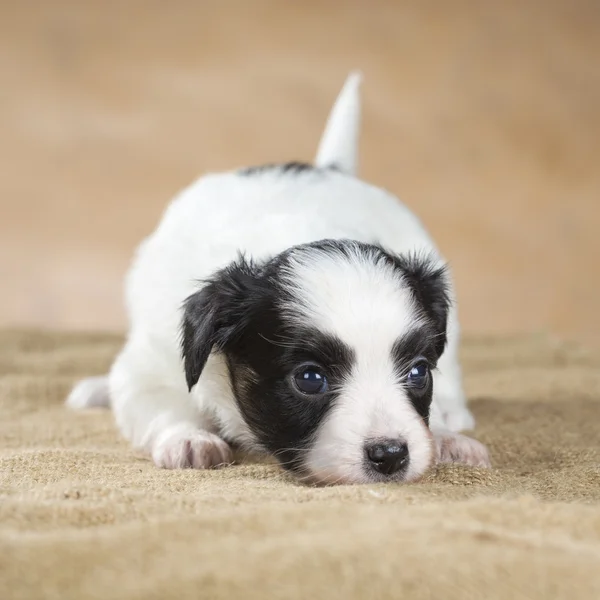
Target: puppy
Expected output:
[293,310]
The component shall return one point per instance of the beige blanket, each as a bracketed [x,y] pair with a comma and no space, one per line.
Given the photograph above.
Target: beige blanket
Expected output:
[82,516]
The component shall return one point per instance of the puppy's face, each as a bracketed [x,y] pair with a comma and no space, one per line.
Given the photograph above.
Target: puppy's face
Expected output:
[330,348]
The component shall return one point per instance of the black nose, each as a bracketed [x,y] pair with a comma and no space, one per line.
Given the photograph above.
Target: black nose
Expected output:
[387,456]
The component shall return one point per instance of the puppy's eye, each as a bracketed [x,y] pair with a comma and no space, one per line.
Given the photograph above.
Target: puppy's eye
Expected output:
[310,380]
[418,375]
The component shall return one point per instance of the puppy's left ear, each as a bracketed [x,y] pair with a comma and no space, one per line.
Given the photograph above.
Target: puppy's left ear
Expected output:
[430,284]
[215,316]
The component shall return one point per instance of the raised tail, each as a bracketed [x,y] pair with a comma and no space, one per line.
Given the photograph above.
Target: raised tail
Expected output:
[339,143]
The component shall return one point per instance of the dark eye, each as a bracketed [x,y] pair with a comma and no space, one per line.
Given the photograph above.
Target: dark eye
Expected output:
[310,380]
[418,376]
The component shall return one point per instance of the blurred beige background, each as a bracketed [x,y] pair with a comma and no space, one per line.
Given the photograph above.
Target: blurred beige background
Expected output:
[483,116]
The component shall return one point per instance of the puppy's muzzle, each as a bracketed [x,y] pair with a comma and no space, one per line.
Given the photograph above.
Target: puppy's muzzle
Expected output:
[387,456]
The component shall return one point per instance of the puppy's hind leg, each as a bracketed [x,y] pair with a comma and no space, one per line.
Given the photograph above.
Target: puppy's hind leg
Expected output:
[155,411]
[89,393]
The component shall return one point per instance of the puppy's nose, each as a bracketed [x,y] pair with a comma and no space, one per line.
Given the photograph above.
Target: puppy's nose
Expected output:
[387,456]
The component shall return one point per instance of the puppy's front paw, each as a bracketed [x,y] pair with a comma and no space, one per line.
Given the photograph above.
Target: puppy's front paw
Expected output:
[181,447]
[456,448]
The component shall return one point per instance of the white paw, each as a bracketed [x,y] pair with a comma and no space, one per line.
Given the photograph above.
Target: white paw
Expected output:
[89,393]
[459,419]
[180,447]
[456,448]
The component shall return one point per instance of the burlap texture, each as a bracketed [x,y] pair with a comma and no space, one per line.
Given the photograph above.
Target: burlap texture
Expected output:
[82,516]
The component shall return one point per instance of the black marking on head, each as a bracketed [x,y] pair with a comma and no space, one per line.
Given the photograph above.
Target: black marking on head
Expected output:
[428,282]
[283,420]
[416,346]
[218,313]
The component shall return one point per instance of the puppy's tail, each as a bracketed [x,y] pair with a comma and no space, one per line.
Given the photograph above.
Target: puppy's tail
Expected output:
[89,393]
[339,144]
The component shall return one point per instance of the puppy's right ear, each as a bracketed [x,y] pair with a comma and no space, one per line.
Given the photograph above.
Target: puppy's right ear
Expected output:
[217,314]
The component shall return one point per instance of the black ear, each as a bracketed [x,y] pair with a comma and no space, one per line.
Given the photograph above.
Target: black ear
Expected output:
[430,285]
[215,315]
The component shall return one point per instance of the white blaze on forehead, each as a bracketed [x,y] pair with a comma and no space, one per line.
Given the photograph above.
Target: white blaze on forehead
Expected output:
[359,298]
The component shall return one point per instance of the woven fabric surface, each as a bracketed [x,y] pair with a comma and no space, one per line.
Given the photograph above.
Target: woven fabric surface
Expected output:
[84,516]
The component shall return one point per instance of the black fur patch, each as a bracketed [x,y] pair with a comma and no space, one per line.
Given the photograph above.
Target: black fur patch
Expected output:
[416,346]
[283,419]
[287,168]
[217,314]
[429,284]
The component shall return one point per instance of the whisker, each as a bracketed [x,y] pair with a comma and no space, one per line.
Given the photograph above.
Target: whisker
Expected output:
[277,344]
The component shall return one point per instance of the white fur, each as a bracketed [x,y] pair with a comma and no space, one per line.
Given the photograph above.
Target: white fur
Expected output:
[89,393]
[202,230]
[339,143]
[359,301]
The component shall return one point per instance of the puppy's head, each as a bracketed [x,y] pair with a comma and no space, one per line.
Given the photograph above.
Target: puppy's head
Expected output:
[330,348]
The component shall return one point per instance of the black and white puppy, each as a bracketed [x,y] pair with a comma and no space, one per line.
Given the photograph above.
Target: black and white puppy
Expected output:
[294,310]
